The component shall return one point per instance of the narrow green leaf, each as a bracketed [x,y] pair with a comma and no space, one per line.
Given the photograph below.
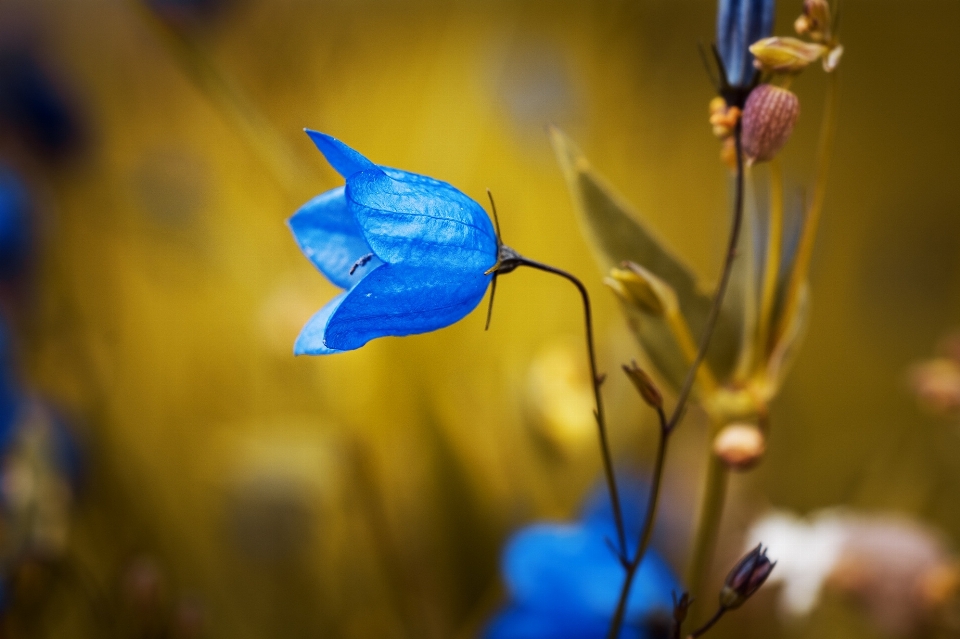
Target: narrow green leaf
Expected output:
[615,234]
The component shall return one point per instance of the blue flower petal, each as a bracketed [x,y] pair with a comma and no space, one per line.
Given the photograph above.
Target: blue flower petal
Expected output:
[523,623]
[329,235]
[409,218]
[403,300]
[310,340]
[341,157]
[570,568]
[740,23]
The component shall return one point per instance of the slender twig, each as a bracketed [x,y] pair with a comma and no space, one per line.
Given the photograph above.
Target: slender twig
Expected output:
[597,380]
[668,426]
[707,626]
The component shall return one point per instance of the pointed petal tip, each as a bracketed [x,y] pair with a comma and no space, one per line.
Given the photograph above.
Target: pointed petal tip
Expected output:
[345,160]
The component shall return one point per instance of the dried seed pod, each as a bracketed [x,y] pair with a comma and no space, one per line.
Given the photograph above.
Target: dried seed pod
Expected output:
[768,119]
[739,446]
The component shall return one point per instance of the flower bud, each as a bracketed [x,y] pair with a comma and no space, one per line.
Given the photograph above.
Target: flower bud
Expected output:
[637,286]
[746,578]
[644,385]
[740,446]
[785,55]
[815,21]
[768,119]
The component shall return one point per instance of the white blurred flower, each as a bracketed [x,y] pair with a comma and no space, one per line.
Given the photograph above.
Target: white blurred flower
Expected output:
[897,568]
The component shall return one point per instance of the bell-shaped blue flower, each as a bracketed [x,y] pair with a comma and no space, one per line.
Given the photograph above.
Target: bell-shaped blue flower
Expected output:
[740,23]
[412,252]
[564,581]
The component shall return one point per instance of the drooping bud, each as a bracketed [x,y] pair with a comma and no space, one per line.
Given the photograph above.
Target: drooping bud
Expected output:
[785,55]
[768,119]
[644,385]
[746,578]
[637,286]
[740,446]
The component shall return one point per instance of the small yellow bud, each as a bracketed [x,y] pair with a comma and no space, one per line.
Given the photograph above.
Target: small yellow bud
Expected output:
[637,286]
[723,118]
[785,55]
[740,446]
[768,119]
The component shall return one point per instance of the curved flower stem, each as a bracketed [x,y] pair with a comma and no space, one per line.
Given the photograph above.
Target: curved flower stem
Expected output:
[710,623]
[667,426]
[597,380]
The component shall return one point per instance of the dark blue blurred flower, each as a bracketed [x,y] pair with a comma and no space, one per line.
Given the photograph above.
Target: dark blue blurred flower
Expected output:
[15,224]
[412,252]
[35,107]
[740,23]
[564,581]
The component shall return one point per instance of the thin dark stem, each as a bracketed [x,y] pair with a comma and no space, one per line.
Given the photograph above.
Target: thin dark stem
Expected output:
[721,288]
[707,626]
[667,426]
[647,529]
[598,413]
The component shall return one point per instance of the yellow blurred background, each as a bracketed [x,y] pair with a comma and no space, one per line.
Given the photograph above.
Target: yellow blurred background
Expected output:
[368,493]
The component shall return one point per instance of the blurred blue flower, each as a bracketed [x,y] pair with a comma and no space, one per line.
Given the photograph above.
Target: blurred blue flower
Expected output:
[15,224]
[740,23]
[35,107]
[412,252]
[564,581]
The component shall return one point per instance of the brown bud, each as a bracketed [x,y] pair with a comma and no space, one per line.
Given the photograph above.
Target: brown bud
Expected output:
[815,21]
[644,384]
[768,119]
[740,446]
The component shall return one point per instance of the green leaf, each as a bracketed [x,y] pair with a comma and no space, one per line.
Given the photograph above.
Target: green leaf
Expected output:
[615,234]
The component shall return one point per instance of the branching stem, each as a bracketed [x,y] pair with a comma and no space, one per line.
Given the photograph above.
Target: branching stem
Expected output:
[667,426]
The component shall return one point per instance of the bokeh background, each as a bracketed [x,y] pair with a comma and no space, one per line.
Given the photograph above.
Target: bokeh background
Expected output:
[232,490]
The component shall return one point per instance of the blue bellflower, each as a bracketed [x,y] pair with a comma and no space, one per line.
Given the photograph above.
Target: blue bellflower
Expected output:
[564,580]
[740,23]
[412,253]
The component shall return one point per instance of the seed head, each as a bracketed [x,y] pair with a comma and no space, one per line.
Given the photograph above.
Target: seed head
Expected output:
[768,119]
